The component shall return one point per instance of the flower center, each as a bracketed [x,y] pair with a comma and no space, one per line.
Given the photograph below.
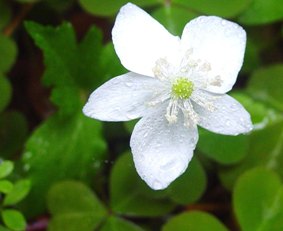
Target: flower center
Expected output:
[182,88]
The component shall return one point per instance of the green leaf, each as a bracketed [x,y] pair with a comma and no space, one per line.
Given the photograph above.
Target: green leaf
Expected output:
[130,195]
[6,186]
[110,64]
[8,53]
[223,149]
[265,85]
[221,8]
[174,18]
[258,201]
[194,221]
[190,186]
[18,193]
[69,66]
[74,207]
[60,57]
[6,92]
[118,224]
[110,7]
[13,219]
[2,228]
[62,149]
[13,133]
[262,12]
[90,54]
[265,150]
[262,115]
[6,167]
[5,13]
[252,55]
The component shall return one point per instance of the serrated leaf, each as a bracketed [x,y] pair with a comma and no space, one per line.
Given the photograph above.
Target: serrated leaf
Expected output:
[194,221]
[190,186]
[118,224]
[221,8]
[74,207]
[62,149]
[5,186]
[262,12]
[20,190]
[109,63]
[13,133]
[6,167]
[109,7]
[13,219]
[8,53]
[130,195]
[258,201]
[69,66]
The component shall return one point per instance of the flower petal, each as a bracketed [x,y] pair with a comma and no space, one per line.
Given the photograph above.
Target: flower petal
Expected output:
[140,40]
[221,44]
[162,151]
[122,98]
[228,116]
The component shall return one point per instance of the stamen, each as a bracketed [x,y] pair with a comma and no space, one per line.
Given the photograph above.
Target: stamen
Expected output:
[172,111]
[161,69]
[189,114]
[159,98]
[201,99]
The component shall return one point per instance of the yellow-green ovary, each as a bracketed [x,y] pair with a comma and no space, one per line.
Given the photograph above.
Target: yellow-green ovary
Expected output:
[182,88]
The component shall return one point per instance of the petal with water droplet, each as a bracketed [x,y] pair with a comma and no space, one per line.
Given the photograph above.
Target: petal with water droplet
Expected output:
[123,98]
[164,152]
[140,40]
[221,44]
[228,116]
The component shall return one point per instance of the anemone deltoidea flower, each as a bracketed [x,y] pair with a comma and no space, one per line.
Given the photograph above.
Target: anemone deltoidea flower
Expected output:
[174,84]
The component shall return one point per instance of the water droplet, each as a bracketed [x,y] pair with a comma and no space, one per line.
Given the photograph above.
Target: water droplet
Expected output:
[157,185]
[228,122]
[129,84]
[223,22]
[234,107]
[168,165]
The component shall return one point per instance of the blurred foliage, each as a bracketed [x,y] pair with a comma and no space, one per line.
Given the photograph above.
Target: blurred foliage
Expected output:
[63,171]
[11,194]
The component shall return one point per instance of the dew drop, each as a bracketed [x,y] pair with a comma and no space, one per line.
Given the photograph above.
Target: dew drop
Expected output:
[228,122]
[157,185]
[223,22]
[129,84]
[168,165]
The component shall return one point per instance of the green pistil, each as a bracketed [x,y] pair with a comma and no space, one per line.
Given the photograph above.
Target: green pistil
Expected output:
[182,88]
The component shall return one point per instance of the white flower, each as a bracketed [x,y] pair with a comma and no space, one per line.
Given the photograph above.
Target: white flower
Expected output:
[175,84]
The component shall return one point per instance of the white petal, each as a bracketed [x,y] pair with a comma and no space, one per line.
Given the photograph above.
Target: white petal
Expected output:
[162,151]
[219,42]
[122,98]
[140,40]
[229,117]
